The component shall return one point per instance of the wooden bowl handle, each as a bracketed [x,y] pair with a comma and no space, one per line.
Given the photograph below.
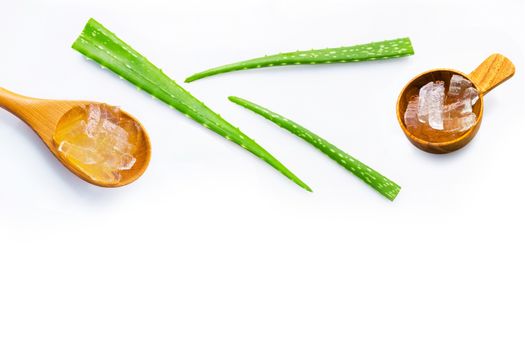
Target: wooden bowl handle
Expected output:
[492,72]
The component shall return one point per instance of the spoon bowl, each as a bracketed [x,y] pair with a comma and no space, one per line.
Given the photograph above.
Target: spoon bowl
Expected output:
[490,73]
[49,118]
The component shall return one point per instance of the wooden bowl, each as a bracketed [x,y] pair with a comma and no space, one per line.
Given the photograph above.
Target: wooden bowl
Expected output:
[492,72]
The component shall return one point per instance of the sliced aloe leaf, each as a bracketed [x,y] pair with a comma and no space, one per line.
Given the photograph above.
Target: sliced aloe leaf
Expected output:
[381,184]
[380,50]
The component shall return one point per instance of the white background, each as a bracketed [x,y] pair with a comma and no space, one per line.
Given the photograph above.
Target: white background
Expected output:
[212,248]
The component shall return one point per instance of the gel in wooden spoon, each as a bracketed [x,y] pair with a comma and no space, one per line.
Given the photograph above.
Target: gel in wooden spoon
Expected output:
[101,144]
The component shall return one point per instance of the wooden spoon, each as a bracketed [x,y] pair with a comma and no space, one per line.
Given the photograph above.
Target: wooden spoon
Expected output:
[44,117]
[490,73]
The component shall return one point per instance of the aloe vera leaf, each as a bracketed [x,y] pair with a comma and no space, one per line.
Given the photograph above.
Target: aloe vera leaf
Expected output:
[365,52]
[99,44]
[381,184]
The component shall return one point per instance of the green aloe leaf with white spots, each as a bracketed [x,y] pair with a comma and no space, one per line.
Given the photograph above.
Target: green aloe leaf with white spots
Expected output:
[381,184]
[99,44]
[380,50]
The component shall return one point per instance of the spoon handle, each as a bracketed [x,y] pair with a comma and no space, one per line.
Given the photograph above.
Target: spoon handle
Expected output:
[5,98]
[492,72]
[41,115]
[12,102]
